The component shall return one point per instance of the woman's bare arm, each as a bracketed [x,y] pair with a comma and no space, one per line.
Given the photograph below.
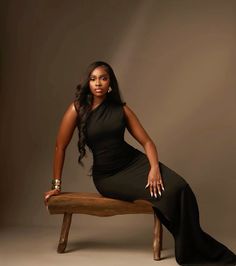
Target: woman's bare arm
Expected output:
[138,132]
[64,135]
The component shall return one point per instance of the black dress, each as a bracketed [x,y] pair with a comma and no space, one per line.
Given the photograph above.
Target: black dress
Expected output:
[120,171]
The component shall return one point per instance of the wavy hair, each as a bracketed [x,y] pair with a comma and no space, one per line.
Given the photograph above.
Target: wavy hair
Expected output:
[84,100]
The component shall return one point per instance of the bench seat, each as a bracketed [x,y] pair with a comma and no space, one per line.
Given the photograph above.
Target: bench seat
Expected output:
[68,203]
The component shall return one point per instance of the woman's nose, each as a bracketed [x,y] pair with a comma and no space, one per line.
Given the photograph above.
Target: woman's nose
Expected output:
[98,83]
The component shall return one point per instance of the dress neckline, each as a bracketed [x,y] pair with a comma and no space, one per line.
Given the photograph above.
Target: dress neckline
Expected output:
[97,107]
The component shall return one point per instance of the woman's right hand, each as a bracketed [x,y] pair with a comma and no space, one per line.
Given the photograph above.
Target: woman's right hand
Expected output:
[50,193]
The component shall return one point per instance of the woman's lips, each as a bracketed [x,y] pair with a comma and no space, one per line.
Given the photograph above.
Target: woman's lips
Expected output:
[98,90]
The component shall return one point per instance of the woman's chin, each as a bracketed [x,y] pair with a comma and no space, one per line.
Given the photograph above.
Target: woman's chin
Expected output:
[99,94]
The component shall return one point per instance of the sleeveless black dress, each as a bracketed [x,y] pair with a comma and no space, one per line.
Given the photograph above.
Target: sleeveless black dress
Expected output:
[120,171]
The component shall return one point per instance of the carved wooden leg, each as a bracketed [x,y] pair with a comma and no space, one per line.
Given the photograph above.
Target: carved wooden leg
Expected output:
[157,238]
[64,232]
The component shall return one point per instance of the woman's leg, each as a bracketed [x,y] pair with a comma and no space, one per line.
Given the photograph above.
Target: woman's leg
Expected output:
[177,209]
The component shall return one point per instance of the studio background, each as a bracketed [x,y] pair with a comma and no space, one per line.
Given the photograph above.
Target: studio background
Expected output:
[175,62]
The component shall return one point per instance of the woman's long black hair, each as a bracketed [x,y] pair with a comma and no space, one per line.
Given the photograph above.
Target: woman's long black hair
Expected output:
[84,101]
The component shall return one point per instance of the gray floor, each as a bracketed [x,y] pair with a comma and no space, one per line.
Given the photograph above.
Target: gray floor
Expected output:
[23,246]
[37,246]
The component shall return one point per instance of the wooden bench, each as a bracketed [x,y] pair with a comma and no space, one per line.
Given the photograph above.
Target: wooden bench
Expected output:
[68,203]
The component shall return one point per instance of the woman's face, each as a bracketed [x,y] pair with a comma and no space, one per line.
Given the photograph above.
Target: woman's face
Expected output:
[99,82]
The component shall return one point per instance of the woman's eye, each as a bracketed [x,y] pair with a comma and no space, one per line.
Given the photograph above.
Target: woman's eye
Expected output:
[104,78]
[92,79]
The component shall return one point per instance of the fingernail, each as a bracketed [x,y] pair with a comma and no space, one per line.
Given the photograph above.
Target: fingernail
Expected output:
[155,195]
[159,193]
[151,194]
[163,189]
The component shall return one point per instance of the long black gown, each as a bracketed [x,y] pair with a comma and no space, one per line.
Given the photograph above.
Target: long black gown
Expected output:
[120,171]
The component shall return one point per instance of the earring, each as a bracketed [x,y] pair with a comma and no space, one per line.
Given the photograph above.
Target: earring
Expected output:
[109,90]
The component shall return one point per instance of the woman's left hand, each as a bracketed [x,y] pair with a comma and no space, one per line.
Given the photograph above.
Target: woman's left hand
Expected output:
[155,182]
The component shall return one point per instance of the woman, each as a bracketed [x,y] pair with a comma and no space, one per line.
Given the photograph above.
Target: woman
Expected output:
[123,172]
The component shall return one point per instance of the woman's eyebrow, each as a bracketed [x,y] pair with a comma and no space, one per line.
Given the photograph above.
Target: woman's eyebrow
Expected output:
[103,75]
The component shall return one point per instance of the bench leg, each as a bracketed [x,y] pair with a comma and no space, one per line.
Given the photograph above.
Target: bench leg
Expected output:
[64,232]
[157,238]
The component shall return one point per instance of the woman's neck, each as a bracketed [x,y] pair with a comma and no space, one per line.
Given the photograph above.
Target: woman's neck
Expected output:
[98,100]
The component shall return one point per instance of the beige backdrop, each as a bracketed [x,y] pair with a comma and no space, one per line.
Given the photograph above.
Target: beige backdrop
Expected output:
[175,62]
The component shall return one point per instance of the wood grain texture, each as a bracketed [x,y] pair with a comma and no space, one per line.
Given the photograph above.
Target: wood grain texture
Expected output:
[68,203]
[64,232]
[157,238]
[95,204]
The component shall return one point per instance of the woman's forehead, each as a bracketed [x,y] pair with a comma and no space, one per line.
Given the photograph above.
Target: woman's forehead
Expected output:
[98,71]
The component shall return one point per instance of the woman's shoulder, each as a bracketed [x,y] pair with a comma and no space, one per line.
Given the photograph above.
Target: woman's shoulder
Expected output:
[75,106]
[125,107]
[128,111]
[115,104]
[71,110]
